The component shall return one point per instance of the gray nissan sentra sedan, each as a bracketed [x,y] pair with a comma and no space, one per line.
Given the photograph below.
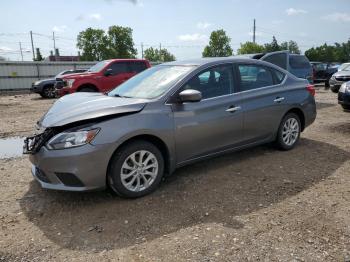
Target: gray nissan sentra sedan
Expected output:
[166,117]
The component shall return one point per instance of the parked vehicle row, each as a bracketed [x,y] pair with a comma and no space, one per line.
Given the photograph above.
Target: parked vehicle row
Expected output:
[46,88]
[322,72]
[166,117]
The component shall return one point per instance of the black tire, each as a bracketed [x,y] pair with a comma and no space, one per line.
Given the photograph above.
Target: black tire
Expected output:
[326,84]
[346,107]
[279,140]
[335,89]
[114,179]
[87,89]
[49,91]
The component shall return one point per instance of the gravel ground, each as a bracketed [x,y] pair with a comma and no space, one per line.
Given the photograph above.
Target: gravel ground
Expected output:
[255,205]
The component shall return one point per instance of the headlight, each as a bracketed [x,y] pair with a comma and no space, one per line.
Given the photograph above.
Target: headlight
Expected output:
[70,82]
[345,87]
[72,139]
[37,83]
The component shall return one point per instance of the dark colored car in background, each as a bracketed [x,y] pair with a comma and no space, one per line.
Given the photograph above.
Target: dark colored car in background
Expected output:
[101,77]
[46,87]
[298,65]
[166,117]
[344,95]
[339,78]
[323,72]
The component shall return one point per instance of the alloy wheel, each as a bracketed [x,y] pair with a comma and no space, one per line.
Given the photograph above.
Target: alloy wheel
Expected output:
[290,131]
[139,170]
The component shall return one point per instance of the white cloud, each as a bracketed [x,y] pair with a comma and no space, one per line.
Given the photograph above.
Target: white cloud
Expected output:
[193,37]
[203,25]
[59,28]
[293,11]
[5,49]
[95,17]
[338,17]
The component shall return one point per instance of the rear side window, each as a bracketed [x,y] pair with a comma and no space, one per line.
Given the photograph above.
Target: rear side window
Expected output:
[254,76]
[278,60]
[137,67]
[279,76]
[298,61]
[119,68]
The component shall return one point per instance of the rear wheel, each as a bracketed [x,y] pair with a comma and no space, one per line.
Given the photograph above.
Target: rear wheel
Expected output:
[289,131]
[49,91]
[136,169]
[346,107]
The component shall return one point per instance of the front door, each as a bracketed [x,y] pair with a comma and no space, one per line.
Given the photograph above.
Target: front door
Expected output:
[213,124]
[121,72]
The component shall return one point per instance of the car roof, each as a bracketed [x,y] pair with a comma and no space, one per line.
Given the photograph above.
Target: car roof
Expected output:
[210,60]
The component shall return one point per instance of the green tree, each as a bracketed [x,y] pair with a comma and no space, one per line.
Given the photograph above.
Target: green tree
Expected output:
[273,46]
[155,55]
[291,46]
[38,56]
[94,45]
[250,48]
[219,45]
[121,44]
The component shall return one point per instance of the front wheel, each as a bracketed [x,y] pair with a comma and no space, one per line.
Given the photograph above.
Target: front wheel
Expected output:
[49,91]
[335,89]
[136,169]
[288,131]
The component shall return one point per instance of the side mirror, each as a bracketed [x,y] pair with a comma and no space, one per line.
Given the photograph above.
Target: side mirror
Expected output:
[190,95]
[108,72]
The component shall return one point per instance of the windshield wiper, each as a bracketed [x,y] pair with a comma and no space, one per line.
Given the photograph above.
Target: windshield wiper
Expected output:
[118,95]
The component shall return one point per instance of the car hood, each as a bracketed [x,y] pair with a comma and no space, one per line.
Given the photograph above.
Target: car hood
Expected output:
[342,73]
[84,106]
[78,75]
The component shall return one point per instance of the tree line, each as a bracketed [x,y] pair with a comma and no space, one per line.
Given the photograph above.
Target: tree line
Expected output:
[117,42]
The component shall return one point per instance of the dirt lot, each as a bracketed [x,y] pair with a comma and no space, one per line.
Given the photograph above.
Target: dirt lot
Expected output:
[256,205]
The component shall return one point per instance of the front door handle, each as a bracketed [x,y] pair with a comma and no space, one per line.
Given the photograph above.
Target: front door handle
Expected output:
[233,109]
[278,99]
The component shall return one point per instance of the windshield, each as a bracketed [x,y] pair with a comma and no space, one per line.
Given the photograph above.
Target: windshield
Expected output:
[97,68]
[151,83]
[346,68]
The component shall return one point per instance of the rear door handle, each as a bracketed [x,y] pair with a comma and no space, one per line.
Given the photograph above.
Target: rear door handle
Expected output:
[278,99]
[233,109]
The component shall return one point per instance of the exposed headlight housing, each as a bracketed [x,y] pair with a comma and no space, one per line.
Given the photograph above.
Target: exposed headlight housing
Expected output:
[70,82]
[72,139]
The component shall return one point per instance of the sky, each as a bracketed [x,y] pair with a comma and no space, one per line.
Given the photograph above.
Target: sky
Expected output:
[183,27]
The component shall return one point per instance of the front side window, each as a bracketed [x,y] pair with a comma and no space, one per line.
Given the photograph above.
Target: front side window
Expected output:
[98,67]
[213,82]
[254,76]
[152,82]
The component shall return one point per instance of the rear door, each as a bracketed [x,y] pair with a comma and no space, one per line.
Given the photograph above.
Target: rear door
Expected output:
[213,124]
[263,100]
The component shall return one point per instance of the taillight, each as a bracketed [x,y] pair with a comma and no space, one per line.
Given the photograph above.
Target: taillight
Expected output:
[311,89]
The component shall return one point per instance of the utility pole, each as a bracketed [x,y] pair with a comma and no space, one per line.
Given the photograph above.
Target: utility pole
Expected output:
[31,39]
[54,40]
[20,48]
[142,49]
[160,47]
[254,29]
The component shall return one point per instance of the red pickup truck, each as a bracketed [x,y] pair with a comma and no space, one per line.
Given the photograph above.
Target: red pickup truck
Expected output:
[102,77]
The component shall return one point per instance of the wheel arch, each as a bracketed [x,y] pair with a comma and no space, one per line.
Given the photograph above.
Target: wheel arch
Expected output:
[156,141]
[300,114]
[88,85]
